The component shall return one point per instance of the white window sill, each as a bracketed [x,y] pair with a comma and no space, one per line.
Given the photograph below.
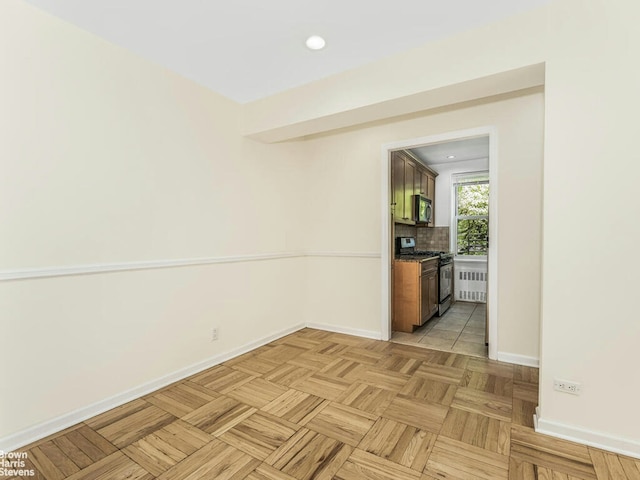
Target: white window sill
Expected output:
[470,259]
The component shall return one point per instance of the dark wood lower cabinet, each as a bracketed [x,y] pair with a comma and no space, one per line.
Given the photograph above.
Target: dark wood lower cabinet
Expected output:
[431,279]
[415,293]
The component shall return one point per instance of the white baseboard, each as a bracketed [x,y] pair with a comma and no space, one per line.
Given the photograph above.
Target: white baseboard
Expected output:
[44,429]
[603,441]
[518,359]
[373,334]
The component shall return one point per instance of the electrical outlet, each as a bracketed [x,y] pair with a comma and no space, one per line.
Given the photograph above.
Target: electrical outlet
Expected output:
[566,386]
[214,334]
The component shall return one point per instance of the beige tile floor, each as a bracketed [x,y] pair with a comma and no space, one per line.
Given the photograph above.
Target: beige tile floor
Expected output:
[459,330]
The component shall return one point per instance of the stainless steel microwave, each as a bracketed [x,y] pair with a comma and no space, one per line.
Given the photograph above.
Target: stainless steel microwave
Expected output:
[422,209]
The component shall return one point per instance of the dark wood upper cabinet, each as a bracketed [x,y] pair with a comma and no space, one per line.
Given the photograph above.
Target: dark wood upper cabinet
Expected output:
[409,190]
[397,182]
[431,194]
[424,182]
[408,178]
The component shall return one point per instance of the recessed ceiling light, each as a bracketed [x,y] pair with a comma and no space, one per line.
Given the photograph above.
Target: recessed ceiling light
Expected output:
[451,156]
[315,42]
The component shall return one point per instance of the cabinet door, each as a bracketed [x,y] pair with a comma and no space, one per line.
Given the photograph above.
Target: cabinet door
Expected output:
[431,194]
[432,280]
[428,291]
[406,295]
[409,185]
[397,172]
[424,184]
[425,305]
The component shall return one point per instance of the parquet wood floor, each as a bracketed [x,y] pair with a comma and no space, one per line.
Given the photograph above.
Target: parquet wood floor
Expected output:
[320,405]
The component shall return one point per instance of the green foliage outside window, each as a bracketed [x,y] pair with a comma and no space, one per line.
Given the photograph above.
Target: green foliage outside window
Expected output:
[472,218]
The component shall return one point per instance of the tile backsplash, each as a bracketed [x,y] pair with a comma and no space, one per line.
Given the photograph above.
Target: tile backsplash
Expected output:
[402,230]
[435,238]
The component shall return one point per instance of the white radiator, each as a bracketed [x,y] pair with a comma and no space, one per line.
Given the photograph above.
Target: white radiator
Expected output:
[470,283]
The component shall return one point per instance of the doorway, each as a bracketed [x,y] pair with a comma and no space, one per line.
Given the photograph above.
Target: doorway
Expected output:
[387,233]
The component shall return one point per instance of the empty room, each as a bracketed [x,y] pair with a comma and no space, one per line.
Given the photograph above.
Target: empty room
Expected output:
[296,240]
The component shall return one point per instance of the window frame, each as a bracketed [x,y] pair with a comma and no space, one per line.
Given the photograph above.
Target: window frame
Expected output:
[456,180]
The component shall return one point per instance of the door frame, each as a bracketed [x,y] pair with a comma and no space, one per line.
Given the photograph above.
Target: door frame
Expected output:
[386,244]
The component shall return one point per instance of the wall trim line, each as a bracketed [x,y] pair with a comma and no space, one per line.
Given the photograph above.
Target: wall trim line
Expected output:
[343,254]
[57,424]
[99,268]
[519,359]
[603,441]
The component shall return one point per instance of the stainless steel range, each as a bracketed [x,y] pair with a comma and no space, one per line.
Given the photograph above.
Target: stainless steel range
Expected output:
[406,249]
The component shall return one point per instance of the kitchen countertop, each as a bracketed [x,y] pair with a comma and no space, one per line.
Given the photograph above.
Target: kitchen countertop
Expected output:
[418,260]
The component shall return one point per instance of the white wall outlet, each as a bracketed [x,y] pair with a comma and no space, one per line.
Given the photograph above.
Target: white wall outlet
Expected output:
[566,386]
[214,334]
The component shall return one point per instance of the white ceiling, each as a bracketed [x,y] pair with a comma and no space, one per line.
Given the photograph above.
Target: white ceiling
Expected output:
[463,150]
[249,49]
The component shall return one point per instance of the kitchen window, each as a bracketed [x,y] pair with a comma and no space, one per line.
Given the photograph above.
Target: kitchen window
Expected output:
[471,213]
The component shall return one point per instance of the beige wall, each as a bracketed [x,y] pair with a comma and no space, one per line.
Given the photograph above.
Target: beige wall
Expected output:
[344,195]
[590,328]
[105,159]
[73,341]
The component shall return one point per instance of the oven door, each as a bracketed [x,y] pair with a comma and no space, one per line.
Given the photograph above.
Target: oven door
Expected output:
[446,281]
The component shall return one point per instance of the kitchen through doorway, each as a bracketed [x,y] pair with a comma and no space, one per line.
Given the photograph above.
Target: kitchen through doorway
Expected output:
[459,226]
